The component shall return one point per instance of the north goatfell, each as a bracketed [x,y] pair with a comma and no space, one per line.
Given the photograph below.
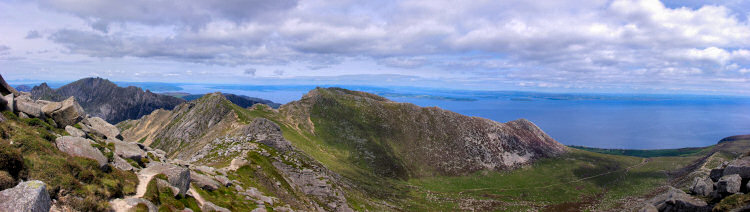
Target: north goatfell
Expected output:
[332,150]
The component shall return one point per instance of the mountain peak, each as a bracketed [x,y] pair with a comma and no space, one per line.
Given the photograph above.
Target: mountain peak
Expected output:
[103,98]
[337,92]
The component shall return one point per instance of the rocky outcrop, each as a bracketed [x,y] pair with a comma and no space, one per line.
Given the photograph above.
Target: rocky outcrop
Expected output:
[729,184]
[130,204]
[102,98]
[80,147]
[266,132]
[177,176]
[65,113]
[211,207]
[702,186]
[30,196]
[6,89]
[98,127]
[677,200]
[75,132]
[740,166]
[127,149]
[204,182]
[24,104]
[121,164]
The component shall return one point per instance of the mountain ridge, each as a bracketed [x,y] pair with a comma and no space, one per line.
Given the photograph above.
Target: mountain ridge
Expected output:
[103,98]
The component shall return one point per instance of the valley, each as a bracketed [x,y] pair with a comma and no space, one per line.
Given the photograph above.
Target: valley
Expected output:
[339,150]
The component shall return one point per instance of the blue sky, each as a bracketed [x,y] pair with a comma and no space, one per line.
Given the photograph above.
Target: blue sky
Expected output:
[639,46]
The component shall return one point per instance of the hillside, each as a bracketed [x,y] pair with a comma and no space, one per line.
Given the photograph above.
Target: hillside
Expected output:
[333,150]
[239,100]
[102,98]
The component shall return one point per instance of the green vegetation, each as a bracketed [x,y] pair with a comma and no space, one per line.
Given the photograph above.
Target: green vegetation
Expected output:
[167,200]
[63,174]
[570,182]
[646,153]
[732,202]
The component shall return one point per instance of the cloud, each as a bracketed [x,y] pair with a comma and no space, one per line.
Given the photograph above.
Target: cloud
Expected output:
[616,43]
[250,71]
[192,13]
[33,34]
[278,72]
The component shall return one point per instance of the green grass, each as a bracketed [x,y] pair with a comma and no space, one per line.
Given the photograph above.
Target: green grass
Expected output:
[645,153]
[75,176]
[732,202]
[551,183]
[165,199]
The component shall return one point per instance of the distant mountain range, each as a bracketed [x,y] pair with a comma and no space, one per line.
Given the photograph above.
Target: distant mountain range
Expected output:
[103,98]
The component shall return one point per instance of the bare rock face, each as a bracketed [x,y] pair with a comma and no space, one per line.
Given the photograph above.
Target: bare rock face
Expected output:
[203,181]
[97,126]
[740,166]
[223,180]
[702,186]
[80,147]
[127,149]
[729,184]
[677,200]
[129,204]
[6,89]
[211,207]
[67,112]
[102,98]
[75,132]
[121,164]
[177,176]
[28,106]
[10,102]
[266,132]
[29,196]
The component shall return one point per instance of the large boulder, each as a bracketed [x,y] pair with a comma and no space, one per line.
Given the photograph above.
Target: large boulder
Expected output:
[702,186]
[28,106]
[80,147]
[211,207]
[203,181]
[29,196]
[127,149]
[67,112]
[130,204]
[223,180]
[97,126]
[10,102]
[177,176]
[729,184]
[6,89]
[677,200]
[75,132]
[121,164]
[739,166]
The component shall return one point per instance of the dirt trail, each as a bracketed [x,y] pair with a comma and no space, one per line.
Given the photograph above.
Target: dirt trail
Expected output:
[144,177]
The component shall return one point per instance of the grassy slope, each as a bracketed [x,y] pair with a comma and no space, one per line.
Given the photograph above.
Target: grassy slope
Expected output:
[63,174]
[645,153]
[579,179]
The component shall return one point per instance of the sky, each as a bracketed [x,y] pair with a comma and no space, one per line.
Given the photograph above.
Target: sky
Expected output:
[619,46]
